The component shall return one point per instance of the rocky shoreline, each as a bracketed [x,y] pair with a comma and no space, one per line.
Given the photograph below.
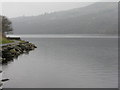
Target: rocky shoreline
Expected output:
[11,51]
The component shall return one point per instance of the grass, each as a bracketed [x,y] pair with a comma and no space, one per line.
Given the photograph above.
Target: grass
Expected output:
[4,40]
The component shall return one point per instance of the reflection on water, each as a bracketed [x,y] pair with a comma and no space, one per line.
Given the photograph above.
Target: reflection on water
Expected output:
[66,63]
[8,60]
[5,62]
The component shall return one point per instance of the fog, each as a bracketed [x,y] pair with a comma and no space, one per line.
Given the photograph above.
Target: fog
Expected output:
[16,9]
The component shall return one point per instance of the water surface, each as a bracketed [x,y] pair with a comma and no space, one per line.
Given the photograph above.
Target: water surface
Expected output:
[66,63]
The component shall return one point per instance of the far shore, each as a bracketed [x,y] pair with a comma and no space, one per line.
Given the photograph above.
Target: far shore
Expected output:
[65,35]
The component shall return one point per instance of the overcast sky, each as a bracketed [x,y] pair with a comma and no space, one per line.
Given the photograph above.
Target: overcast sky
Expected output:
[33,8]
[16,9]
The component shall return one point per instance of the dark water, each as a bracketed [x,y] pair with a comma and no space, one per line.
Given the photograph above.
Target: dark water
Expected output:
[66,63]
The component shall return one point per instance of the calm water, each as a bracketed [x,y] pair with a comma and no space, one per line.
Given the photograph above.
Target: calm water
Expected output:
[66,63]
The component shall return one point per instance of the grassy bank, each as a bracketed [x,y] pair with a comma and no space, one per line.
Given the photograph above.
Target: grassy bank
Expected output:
[4,40]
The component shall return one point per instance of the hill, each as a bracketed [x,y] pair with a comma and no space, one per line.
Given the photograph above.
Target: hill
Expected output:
[98,18]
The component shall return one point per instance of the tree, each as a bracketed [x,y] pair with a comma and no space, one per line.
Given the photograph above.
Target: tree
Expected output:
[5,25]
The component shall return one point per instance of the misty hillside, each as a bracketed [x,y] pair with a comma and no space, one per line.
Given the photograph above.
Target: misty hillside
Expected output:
[97,18]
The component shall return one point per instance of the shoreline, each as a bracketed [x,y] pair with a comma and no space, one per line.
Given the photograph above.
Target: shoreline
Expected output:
[11,51]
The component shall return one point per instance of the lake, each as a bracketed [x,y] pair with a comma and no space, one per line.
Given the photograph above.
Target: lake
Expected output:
[65,63]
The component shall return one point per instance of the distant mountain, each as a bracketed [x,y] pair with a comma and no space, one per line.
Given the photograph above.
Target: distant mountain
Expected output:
[98,18]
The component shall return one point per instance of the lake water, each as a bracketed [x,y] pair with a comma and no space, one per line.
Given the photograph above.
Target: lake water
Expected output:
[66,63]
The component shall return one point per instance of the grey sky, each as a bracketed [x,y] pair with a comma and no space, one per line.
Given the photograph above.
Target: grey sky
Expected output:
[15,9]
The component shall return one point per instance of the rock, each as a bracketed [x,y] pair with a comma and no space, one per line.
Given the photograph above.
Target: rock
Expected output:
[1,84]
[13,51]
[4,80]
[0,71]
